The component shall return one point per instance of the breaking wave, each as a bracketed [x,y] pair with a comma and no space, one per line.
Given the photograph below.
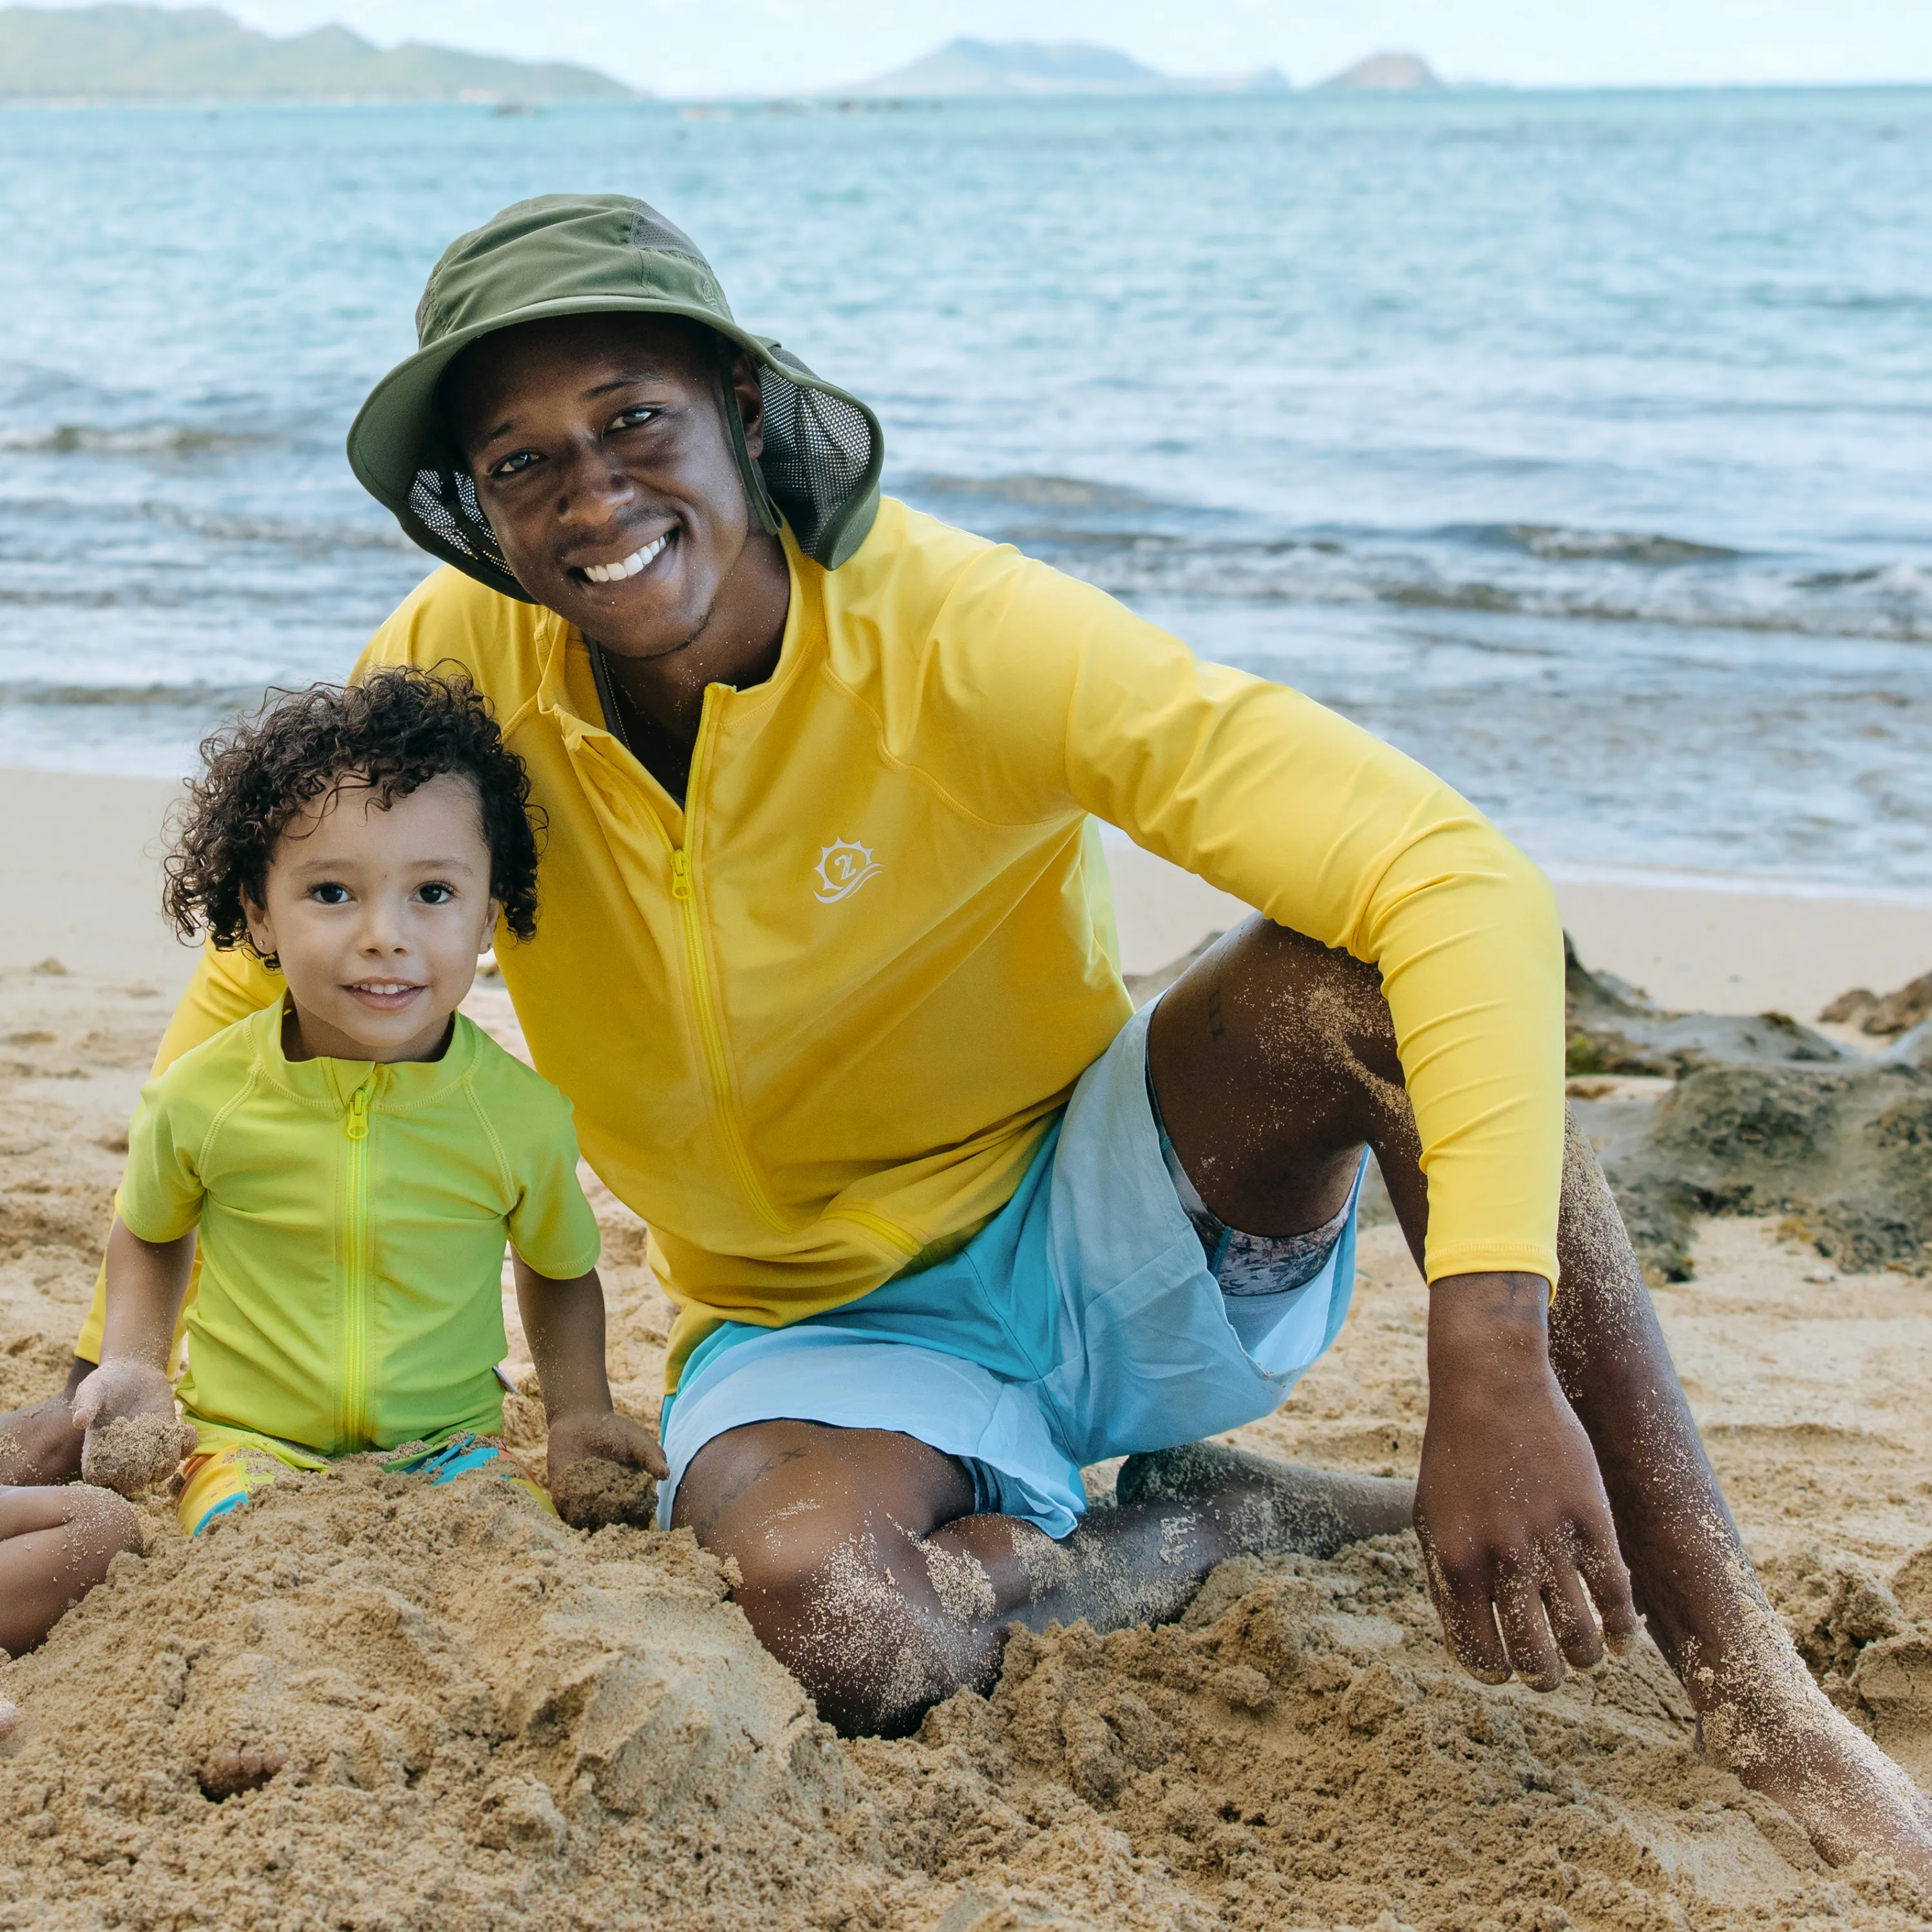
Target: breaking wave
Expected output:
[197,697]
[163,439]
[1141,549]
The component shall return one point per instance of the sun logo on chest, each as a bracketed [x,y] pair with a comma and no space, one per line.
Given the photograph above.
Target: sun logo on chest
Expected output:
[843,867]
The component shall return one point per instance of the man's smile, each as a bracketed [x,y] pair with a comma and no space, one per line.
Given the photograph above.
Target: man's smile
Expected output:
[638,560]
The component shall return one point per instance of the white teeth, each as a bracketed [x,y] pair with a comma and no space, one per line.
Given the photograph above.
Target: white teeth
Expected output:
[615,573]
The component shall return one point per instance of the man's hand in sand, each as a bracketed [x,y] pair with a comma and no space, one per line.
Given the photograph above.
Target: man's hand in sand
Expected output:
[603,1470]
[1510,1506]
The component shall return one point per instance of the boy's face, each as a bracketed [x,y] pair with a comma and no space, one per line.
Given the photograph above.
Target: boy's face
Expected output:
[601,459]
[378,917]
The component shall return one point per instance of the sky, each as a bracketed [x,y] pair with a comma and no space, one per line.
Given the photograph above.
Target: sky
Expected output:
[710,48]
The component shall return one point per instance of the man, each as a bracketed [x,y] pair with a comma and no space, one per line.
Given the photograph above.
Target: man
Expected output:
[826,965]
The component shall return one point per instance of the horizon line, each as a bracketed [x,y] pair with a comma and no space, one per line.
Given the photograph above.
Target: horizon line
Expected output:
[835,96]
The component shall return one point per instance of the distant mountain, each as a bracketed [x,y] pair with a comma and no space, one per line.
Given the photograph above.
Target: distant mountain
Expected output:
[969,66]
[159,54]
[1386,74]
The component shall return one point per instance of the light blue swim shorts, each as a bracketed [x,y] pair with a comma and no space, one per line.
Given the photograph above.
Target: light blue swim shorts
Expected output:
[1085,1320]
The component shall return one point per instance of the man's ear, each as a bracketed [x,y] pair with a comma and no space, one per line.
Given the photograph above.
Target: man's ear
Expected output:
[751,402]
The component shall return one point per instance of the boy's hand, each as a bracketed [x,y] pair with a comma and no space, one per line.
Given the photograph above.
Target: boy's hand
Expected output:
[583,1434]
[117,1390]
[1515,1527]
[133,1459]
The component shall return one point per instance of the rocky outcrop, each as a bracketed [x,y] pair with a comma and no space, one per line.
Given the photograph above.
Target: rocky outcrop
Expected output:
[1616,1028]
[1386,74]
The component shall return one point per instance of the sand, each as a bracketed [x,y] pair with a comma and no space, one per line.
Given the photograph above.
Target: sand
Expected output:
[135,1455]
[367,1703]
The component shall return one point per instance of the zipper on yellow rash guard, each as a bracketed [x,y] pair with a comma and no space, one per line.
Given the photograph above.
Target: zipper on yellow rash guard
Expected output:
[353,1416]
[682,890]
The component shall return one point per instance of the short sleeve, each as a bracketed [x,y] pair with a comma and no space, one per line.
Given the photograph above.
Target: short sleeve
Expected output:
[161,1193]
[551,1227]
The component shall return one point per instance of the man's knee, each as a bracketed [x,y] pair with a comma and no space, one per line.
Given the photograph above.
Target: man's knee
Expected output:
[1274,1060]
[1274,1006]
[841,1613]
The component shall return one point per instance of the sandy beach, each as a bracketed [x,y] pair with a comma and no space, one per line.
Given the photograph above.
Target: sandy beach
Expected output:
[488,1720]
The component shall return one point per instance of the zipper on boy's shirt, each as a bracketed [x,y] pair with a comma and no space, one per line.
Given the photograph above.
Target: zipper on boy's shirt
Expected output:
[353,1428]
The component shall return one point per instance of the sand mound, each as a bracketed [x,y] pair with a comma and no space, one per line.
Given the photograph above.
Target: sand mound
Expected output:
[1301,1752]
[370,1701]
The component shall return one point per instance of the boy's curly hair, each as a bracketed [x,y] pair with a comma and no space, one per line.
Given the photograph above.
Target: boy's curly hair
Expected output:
[394,731]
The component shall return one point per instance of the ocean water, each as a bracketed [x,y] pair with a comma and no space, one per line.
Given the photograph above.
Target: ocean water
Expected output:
[1579,444]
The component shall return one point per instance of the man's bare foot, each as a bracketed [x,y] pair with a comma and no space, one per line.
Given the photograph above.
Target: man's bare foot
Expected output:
[39,1444]
[1270,1507]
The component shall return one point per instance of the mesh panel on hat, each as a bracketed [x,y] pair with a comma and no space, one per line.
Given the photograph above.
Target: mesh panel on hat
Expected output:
[649,229]
[444,502]
[817,448]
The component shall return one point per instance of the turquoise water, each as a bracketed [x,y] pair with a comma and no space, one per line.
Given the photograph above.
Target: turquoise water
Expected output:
[1580,444]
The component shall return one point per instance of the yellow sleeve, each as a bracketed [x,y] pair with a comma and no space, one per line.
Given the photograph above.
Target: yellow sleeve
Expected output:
[1328,831]
[161,1194]
[551,1226]
[227,987]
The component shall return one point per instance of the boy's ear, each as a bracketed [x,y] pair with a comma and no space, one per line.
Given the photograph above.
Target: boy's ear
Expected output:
[492,913]
[261,928]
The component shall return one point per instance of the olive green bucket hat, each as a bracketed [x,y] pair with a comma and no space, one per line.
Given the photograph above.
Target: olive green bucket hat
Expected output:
[591,254]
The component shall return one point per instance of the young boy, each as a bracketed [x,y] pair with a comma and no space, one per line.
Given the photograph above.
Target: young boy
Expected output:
[354,1158]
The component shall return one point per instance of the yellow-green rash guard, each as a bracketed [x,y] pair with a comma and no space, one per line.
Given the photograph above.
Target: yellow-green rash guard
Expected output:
[351,1220]
[817,1016]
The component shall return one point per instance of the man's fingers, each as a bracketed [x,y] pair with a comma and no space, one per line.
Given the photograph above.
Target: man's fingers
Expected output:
[1525,1628]
[1602,1563]
[624,1439]
[647,1450]
[1468,1624]
[1568,1607]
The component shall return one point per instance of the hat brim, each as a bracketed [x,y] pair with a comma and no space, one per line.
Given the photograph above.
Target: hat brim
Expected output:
[825,449]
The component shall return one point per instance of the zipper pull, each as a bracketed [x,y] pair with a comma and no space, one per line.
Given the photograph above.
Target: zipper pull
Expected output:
[680,873]
[359,1114]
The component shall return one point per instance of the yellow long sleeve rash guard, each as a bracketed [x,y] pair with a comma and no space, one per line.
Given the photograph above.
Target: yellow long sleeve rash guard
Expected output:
[816,1020]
